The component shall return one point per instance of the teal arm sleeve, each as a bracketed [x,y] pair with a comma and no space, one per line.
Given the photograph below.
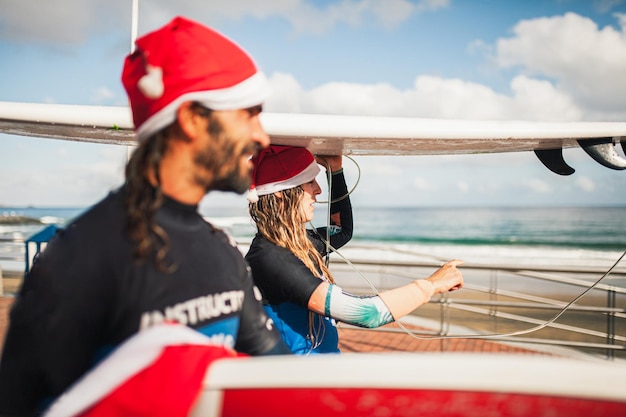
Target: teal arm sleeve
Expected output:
[363,311]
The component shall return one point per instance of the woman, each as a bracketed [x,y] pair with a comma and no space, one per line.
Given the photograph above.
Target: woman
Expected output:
[299,291]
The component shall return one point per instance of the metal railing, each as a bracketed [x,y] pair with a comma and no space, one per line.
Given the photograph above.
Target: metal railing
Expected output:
[514,304]
[13,250]
[23,250]
[503,302]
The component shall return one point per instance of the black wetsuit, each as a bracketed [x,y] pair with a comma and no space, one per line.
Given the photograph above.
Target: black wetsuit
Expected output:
[287,284]
[85,295]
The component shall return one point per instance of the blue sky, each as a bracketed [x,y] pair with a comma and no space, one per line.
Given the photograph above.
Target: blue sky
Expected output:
[548,60]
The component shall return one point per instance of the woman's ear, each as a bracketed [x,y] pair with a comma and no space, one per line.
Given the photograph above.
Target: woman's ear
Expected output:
[279,194]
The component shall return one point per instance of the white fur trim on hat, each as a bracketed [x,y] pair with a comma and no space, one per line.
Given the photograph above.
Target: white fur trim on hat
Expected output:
[248,93]
[307,175]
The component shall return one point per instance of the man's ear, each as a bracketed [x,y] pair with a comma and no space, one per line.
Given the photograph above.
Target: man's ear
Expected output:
[191,123]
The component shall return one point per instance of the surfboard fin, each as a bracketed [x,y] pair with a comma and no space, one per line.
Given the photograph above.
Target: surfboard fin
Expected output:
[553,160]
[603,152]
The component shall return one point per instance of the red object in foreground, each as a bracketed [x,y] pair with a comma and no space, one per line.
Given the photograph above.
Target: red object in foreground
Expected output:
[167,388]
[401,402]
[424,385]
[171,370]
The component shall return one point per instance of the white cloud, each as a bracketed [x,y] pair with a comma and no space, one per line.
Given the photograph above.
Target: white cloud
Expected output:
[351,98]
[463,186]
[432,4]
[62,22]
[76,179]
[381,167]
[586,184]
[103,95]
[455,98]
[569,70]
[604,6]
[309,17]
[531,95]
[538,186]
[587,61]
[287,94]
[390,13]
[71,22]
[430,97]
[423,184]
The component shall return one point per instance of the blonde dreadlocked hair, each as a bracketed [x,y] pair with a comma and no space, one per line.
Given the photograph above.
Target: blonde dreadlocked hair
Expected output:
[280,221]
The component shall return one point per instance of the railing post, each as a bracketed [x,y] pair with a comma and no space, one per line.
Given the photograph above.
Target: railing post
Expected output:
[40,239]
[493,296]
[610,323]
[444,322]
[26,259]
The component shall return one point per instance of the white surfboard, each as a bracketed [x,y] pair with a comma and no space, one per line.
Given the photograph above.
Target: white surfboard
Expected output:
[348,135]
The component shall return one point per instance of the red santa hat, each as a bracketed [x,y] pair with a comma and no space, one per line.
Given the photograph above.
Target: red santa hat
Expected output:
[278,168]
[186,61]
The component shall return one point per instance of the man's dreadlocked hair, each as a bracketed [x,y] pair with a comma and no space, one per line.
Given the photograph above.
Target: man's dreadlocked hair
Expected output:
[281,221]
[143,198]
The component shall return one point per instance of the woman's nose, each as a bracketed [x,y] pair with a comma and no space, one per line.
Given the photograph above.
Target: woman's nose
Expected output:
[316,188]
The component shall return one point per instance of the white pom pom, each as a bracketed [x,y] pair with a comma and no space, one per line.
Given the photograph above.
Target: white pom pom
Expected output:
[252,196]
[151,84]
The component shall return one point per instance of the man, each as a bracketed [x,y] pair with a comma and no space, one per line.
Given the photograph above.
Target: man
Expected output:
[143,255]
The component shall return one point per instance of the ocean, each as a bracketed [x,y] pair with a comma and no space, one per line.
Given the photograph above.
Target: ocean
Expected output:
[576,236]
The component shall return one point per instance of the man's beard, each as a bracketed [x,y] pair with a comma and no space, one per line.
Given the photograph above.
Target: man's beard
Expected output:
[233,181]
[224,155]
